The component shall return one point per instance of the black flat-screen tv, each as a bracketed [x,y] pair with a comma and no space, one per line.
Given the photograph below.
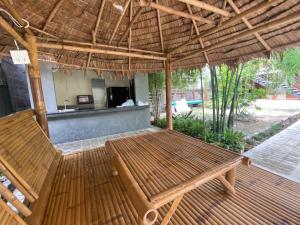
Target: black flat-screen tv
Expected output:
[117,96]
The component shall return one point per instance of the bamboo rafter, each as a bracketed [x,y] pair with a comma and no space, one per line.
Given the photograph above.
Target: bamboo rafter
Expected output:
[166,9]
[203,5]
[228,22]
[287,19]
[248,24]
[119,21]
[197,32]
[95,31]
[52,13]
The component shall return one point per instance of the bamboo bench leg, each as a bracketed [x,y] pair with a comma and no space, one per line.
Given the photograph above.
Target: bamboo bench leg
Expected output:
[229,181]
[172,210]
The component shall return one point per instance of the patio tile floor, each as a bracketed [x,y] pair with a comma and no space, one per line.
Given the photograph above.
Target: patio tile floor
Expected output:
[280,154]
[81,145]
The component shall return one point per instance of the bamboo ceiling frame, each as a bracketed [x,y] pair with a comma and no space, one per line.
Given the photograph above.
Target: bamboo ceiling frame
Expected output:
[95,31]
[144,3]
[203,5]
[249,25]
[278,22]
[52,13]
[230,21]
[198,32]
[119,21]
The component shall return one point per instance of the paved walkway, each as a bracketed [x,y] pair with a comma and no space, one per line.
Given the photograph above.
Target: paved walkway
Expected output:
[280,154]
[76,146]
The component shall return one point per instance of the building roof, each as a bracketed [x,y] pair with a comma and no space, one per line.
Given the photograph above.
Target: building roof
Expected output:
[148,28]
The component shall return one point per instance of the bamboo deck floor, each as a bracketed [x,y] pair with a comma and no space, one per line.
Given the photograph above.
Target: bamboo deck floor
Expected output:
[85,193]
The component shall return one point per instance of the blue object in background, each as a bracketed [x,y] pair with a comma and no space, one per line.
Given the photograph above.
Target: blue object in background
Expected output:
[191,103]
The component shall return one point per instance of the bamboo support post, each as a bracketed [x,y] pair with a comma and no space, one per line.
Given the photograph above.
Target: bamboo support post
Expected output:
[230,177]
[229,188]
[169,95]
[14,201]
[36,84]
[146,211]
[172,210]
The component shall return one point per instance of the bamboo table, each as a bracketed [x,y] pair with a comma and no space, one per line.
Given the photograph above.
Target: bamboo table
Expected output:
[159,168]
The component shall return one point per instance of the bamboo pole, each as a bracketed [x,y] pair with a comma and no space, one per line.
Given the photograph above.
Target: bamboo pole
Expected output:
[230,177]
[166,9]
[5,25]
[266,26]
[36,84]
[16,15]
[249,25]
[14,201]
[168,75]
[227,23]
[99,51]
[135,17]
[119,21]
[203,5]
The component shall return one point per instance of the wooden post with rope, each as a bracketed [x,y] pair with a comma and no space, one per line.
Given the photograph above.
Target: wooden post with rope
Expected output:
[169,95]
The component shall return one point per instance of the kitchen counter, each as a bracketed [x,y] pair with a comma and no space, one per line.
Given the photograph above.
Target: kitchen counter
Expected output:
[86,124]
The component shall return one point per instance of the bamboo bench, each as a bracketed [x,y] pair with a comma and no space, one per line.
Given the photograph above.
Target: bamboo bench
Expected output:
[45,177]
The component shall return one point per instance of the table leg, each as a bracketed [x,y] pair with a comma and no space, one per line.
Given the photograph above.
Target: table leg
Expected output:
[230,178]
[172,210]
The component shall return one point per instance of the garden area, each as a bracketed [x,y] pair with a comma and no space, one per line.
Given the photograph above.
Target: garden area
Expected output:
[242,103]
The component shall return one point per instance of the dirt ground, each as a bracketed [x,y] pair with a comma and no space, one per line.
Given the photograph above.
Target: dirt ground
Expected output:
[271,112]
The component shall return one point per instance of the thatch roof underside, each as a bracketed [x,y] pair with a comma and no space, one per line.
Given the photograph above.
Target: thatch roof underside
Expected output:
[155,31]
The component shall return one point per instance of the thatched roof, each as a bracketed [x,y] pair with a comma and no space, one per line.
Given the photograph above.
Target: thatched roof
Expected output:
[157,32]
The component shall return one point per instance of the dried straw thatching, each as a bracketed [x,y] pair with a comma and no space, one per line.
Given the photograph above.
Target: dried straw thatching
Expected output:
[155,31]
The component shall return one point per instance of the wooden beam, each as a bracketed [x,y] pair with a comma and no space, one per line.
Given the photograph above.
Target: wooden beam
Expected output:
[16,15]
[52,13]
[166,9]
[136,16]
[281,21]
[95,31]
[248,24]
[206,6]
[160,29]
[197,32]
[119,21]
[98,51]
[168,78]
[172,210]
[130,34]
[66,41]
[229,188]
[8,28]
[36,84]
[227,23]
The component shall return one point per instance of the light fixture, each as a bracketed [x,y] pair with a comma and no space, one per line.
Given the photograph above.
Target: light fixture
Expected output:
[118,5]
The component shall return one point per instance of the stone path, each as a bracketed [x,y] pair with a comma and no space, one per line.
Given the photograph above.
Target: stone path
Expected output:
[280,154]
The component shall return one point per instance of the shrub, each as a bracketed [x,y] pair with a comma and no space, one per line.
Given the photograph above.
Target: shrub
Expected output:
[194,127]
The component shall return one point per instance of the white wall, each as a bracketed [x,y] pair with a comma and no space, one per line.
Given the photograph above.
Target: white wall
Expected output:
[141,87]
[70,84]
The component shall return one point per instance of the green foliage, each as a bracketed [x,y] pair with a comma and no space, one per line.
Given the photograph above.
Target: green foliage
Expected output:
[194,127]
[156,81]
[268,133]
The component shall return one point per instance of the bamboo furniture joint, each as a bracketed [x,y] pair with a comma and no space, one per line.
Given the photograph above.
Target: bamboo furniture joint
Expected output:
[159,168]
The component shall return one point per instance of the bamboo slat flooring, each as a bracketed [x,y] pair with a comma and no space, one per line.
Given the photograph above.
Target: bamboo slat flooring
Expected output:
[85,193]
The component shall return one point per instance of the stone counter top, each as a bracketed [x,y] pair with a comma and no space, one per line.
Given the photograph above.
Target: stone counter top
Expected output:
[91,112]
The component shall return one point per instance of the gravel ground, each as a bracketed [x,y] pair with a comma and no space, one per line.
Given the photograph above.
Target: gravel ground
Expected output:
[271,112]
